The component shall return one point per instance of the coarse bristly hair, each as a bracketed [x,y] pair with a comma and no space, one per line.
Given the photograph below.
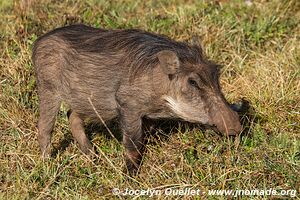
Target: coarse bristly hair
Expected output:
[139,47]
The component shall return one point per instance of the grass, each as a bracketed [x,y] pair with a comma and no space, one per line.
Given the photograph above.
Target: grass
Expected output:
[259,47]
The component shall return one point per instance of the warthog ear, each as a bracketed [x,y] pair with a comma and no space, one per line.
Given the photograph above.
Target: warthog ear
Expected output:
[169,62]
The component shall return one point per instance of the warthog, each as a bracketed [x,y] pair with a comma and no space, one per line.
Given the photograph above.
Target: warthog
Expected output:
[128,75]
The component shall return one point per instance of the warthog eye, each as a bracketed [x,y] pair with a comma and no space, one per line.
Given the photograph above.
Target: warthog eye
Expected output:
[193,83]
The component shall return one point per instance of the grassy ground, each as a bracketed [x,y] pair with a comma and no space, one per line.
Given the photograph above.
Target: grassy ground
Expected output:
[257,44]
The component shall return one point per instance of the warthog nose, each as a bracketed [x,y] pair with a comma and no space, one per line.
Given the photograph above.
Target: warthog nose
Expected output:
[232,130]
[228,132]
[236,130]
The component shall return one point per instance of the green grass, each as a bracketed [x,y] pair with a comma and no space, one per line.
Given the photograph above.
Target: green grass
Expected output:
[259,47]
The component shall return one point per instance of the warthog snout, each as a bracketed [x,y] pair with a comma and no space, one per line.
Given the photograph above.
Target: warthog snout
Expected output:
[227,122]
[225,119]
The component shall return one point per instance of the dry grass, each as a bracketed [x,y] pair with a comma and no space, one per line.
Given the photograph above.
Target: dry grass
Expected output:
[259,47]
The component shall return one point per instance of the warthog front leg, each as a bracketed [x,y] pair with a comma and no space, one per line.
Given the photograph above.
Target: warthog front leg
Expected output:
[133,140]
